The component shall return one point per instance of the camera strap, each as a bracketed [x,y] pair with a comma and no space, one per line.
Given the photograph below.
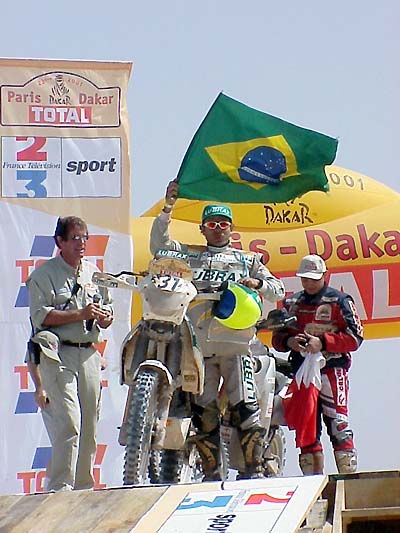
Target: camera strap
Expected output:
[74,292]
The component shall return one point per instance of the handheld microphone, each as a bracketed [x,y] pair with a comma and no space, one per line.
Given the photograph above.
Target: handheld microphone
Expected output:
[96,300]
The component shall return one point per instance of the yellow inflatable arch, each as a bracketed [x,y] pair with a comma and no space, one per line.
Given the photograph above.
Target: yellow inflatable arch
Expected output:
[354,227]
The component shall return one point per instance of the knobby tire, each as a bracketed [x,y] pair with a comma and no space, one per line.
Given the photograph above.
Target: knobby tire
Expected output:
[141,419]
[171,466]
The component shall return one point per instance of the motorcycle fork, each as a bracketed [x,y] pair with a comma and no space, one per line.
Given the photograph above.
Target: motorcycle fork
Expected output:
[141,351]
[169,399]
[174,356]
[139,355]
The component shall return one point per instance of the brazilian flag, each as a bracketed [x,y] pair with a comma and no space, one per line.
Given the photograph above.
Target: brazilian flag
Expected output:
[241,155]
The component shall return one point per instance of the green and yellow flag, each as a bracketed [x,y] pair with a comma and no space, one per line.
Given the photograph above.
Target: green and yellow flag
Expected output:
[241,155]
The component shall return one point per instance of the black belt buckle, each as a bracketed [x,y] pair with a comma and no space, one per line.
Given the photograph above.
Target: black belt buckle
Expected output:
[78,344]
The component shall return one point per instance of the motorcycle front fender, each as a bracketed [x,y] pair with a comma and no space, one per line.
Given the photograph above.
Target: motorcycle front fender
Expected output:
[159,367]
[192,361]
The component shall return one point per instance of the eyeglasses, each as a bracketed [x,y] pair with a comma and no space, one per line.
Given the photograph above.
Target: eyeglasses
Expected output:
[214,225]
[81,238]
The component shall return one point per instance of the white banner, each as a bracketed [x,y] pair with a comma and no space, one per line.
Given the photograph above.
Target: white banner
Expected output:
[64,151]
[24,446]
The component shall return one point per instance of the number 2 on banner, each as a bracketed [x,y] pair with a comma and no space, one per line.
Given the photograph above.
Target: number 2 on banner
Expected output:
[34,177]
[32,152]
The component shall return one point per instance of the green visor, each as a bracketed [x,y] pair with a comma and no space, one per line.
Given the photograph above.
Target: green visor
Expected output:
[212,210]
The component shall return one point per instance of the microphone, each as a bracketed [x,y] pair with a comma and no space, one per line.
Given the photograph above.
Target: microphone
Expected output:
[96,300]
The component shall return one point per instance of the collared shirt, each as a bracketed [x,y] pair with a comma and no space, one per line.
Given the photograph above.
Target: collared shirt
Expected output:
[50,287]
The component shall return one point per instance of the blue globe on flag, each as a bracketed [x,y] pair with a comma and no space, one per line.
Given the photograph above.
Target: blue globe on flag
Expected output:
[263,164]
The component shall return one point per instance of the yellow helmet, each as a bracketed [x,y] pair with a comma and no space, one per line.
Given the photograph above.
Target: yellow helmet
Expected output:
[239,307]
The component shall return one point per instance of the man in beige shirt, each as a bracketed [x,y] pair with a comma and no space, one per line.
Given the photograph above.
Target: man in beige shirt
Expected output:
[67,311]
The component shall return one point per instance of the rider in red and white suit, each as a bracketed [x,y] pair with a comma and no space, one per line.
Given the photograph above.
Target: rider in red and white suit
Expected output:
[327,322]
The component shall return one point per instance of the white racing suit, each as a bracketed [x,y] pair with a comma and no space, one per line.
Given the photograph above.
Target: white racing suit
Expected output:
[226,351]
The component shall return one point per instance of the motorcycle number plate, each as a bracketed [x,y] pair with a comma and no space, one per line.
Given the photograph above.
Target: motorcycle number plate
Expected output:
[170,266]
[169,283]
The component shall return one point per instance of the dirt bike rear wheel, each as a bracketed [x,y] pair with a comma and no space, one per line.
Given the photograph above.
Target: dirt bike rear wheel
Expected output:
[177,466]
[141,419]
[171,466]
[275,453]
[154,466]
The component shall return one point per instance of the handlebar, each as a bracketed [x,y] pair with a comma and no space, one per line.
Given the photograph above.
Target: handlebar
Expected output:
[277,319]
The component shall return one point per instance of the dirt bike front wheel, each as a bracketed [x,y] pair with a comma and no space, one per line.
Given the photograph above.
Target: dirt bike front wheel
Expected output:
[141,419]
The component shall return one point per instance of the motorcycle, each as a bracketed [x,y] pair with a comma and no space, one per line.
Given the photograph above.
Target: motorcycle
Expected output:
[162,366]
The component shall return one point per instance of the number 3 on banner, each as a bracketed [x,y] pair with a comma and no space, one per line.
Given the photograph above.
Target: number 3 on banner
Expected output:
[34,177]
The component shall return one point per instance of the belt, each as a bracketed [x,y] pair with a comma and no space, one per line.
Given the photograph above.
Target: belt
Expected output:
[78,344]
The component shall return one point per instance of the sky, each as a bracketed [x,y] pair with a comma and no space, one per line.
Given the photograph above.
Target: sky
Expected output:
[327,66]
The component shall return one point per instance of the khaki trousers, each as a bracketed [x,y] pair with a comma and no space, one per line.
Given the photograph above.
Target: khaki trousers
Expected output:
[73,389]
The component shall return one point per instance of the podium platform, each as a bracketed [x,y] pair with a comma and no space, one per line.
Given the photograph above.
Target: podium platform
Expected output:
[367,502]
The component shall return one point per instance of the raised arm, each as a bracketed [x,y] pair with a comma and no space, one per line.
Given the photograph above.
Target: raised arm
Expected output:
[159,234]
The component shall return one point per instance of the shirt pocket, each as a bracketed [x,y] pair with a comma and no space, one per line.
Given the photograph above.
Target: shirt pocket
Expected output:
[61,298]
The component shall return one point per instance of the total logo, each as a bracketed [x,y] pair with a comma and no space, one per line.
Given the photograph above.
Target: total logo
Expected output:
[43,248]
[60,99]
[71,115]
[33,479]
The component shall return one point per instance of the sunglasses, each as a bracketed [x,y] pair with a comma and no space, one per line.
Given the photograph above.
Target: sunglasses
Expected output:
[214,225]
[81,238]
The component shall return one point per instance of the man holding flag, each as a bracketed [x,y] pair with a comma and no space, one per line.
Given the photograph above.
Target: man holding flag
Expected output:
[237,155]
[225,341]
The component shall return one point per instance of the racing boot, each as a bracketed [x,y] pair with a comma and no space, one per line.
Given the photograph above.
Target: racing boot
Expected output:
[311,463]
[252,444]
[346,461]
[208,446]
